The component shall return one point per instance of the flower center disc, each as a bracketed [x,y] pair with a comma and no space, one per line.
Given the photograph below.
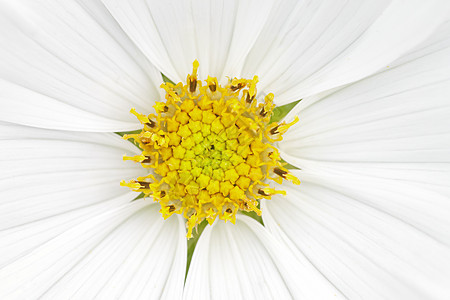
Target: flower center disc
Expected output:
[209,150]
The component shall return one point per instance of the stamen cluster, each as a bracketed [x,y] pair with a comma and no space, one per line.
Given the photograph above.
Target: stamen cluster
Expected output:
[209,150]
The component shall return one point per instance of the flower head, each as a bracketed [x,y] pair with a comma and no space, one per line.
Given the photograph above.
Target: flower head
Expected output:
[210,150]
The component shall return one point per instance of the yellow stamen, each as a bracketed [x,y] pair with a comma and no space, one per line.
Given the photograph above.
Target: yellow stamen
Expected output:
[209,148]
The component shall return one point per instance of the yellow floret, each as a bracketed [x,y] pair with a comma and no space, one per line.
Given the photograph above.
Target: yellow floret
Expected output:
[209,148]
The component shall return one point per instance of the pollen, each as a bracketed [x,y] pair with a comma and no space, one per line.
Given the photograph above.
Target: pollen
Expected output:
[209,150]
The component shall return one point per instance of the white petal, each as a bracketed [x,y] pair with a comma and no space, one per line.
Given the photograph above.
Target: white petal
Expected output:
[174,33]
[311,46]
[68,65]
[372,210]
[243,261]
[47,173]
[394,125]
[365,252]
[17,241]
[129,252]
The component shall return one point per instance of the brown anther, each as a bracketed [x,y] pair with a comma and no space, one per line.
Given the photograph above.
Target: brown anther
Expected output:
[280,172]
[212,87]
[274,130]
[147,160]
[144,185]
[228,210]
[249,99]
[263,112]
[261,192]
[171,208]
[193,85]
[146,141]
[151,123]
[237,87]
[163,193]
[166,108]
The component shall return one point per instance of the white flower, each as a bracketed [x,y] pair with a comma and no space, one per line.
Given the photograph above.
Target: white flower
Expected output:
[370,220]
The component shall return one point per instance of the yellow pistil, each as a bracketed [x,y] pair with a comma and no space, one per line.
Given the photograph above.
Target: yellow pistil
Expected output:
[210,150]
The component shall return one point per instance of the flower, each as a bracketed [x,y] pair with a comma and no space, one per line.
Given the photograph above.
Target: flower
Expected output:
[370,219]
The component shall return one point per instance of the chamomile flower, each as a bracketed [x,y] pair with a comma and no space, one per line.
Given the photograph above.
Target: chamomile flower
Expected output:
[368,141]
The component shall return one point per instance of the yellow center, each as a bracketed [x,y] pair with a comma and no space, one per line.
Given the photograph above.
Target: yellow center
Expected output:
[209,150]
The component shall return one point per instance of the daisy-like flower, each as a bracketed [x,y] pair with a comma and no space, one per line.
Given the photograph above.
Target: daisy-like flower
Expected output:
[370,219]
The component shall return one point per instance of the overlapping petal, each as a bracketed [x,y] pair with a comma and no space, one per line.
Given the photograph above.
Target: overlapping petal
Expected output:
[65,219]
[364,251]
[68,65]
[308,47]
[243,261]
[172,34]
[47,172]
[391,129]
[296,48]
[372,211]
[52,180]
[129,251]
